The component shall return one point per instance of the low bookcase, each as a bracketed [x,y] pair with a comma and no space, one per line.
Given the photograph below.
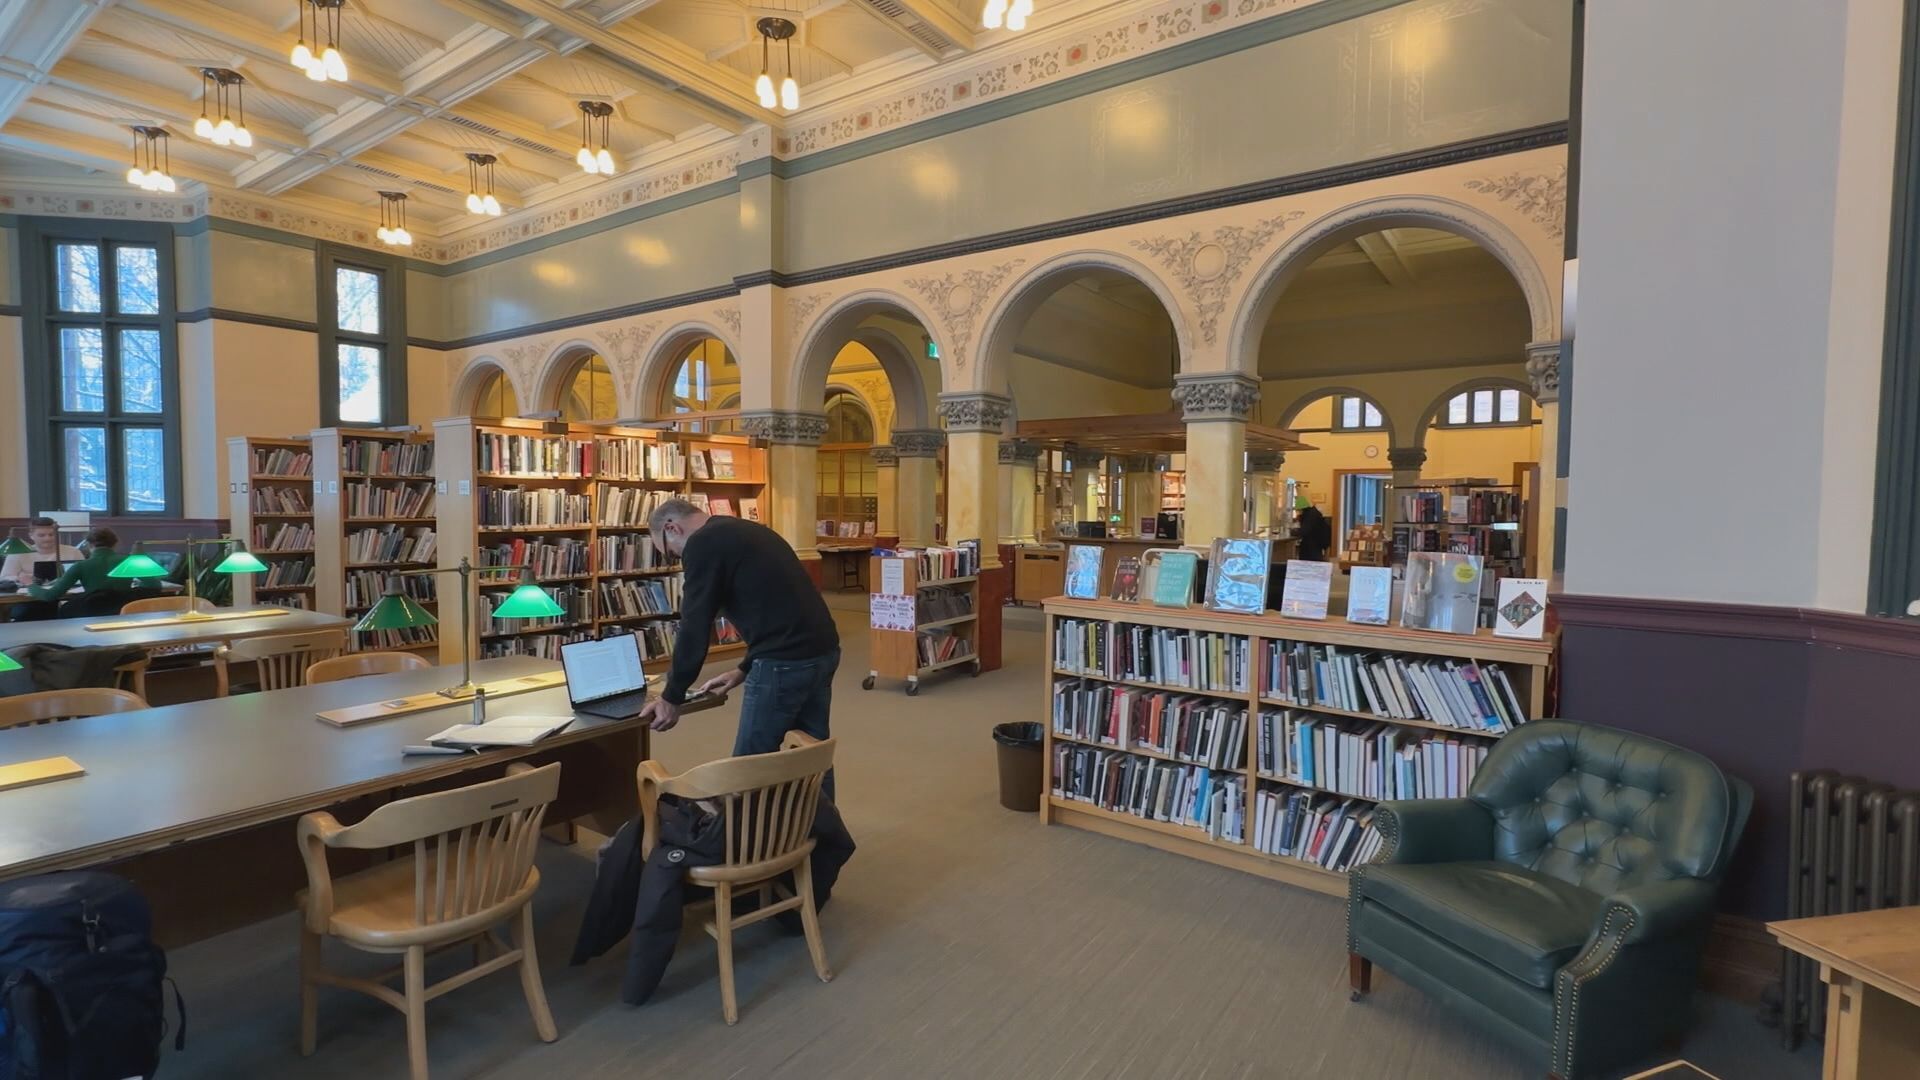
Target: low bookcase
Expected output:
[946,619]
[1262,743]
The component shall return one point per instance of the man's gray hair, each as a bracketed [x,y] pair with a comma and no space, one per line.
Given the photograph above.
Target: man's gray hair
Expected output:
[671,510]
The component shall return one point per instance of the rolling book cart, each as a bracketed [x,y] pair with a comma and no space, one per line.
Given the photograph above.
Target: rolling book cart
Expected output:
[929,624]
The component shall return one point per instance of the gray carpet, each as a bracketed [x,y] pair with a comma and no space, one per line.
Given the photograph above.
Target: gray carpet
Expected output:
[967,941]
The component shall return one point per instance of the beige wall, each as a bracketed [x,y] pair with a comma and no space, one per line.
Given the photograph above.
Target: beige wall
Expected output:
[259,277]
[226,391]
[1044,391]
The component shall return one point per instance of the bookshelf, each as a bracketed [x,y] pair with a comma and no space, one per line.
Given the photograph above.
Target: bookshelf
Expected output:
[1470,516]
[945,586]
[572,499]
[270,503]
[1218,728]
[376,511]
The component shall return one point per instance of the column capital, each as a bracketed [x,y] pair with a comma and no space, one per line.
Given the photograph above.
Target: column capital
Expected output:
[1216,396]
[785,428]
[1137,463]
[1543,371]
[1265,461]
[1407,458]
[976,412]
[1016,452]
[884,457]
[918,442]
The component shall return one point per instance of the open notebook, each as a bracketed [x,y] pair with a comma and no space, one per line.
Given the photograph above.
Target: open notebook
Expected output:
[501,731]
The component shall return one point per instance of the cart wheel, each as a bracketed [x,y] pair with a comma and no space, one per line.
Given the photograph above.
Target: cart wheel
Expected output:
[866,683]
[975,671]
[913,687]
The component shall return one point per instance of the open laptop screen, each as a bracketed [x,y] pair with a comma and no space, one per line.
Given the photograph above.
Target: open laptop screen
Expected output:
[602,669]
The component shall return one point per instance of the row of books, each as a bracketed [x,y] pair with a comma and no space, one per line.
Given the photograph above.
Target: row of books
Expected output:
[939,563]
[539,455]
[544,646]
[626,508]
[654,638]
[715,463]
[577,601]
[1327,830]
[1467,694]
[404,637]
[284,572]
[391,544]
[725,507]
[1482,507]
[1377,761]
[296,601]
[941,644]
[1192,795]
[1170,656]
[514,507]
[388,500]
[281,461]
[565,557]
[945,602]
[272,499]
[381,457]
[638,459]
[1205,731]
[844,530]
[618,553]
[628,598]
[286,536]
[364,588]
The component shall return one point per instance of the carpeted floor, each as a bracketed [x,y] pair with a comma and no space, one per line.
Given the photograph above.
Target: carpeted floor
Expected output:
[968,941]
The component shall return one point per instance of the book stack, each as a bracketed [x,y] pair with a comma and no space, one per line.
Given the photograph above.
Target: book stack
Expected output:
[548,558]
[940,563]
[577,601]
[519,508]
[1475,696]
[391,544]
[1373,761]
[544,646]
[1190,795]
[281,461]
[941,644]
[287,537]
[620,458]
[1201,730]
[389,500]
[1081,646]
[364,588]
[280,500]
[282,573]
[407,638]
[666,461]
[725,633]
[1170,656]
[499,453]
[628,598]
[616,554]
[1327,830]
[626,508]
[386,457]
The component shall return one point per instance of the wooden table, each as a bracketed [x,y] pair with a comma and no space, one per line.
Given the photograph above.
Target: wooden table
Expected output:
[1870,961]
[843,554]
[74,633]
[197,802]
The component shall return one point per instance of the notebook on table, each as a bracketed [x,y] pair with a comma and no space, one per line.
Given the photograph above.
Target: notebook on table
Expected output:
[501,731]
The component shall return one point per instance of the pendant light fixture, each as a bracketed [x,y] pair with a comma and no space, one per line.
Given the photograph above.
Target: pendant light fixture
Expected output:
[771,30]
[226,88]
[600,163]
[152,162]
[1013,14]
[480,166]
[393,220]
[327,63]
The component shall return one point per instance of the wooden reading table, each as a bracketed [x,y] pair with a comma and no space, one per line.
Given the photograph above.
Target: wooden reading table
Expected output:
[1870,961]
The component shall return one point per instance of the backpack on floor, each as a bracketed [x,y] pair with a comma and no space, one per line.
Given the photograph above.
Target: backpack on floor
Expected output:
[81,981]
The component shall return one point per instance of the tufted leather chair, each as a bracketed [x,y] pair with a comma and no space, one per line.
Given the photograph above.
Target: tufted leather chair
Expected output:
[1565,901]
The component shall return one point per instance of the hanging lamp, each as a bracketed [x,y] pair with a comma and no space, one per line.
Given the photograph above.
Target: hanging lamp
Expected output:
[776,29]
[393,219]
[600,163]
[479,166]
[227,88]
[152,161]
[326,64]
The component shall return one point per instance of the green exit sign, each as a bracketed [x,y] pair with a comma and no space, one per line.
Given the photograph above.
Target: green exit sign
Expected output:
[933,351]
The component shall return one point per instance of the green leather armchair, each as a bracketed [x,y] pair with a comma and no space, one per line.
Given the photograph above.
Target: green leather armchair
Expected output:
[1565,901]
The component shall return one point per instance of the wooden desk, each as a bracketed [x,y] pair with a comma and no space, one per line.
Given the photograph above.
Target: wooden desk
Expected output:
[1870,961]
[74,633]
[848,553]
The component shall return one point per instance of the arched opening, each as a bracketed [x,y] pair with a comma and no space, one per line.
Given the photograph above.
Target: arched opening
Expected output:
[1347,476]
[848,494]
[701,391]
[588,392]
[496,397]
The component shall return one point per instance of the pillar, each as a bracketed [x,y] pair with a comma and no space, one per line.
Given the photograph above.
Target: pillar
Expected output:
[1216,407]
[974,422]
[918,476]
[886,484]
[793,482]
[1140,491]
[1019,476]
[1263,478]
[1406,461]
[1086,486]
[1543,371]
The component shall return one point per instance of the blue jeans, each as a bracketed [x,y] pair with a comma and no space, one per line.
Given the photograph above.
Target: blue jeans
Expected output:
[786,695]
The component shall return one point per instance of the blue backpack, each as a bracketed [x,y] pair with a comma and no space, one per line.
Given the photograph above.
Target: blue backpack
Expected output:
[81,995]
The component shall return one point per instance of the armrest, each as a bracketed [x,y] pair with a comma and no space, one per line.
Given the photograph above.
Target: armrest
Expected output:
[1434,831]
[1656,910]
[315,834]
[651,776]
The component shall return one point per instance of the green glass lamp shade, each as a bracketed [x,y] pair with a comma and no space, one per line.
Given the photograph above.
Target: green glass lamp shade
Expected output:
[8,663]
[529,601]
[137,565]
[13,545]
[395,612]
[240,561]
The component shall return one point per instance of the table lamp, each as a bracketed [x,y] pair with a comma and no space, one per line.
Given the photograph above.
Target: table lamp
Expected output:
[8,663]
[139,564]
[13,545]
[397,611]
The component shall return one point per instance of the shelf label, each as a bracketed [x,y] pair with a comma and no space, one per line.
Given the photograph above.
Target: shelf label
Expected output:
[464,492]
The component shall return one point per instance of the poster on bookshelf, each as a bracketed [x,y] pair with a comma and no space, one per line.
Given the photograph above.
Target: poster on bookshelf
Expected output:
[1442,592]
[1521,610]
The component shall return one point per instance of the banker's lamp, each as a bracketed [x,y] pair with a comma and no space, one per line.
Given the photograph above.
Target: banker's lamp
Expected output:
[139,564]
[13,545]
[398,611]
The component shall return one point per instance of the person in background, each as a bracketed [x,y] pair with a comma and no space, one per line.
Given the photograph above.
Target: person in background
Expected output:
[44,534]
[1316,532]
[746,572]
[89,573]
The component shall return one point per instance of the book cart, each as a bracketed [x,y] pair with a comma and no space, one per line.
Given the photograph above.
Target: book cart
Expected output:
[913,654]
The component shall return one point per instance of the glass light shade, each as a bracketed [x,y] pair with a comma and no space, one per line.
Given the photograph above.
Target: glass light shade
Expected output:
[385,234]
[402,237]
[317,71]
[8,663]
[301,57]
[584,158]
[1016,19]
[240,561]
[994,15]
[242,137]
[605,161]
[789,94]
[137,565]
[167,185]
[336,65]
[15,546]
[763,89]
[203,127]
[474,205]
[395,612]
[224,129]
[491,205]
[529,601]
[137,176]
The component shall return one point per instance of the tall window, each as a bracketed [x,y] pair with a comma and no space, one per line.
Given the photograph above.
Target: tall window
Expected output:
[1356,414]
[849,487]
[101,368]
[1485,407]
[590,393]
[363,351]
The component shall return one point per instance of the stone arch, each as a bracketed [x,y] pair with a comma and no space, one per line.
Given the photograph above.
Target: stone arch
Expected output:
[1284,417]
[840,324]
[1009,313]
[1478,382]
[866,403]
[1372,215]
[656,370]
[556,372]
[466,387]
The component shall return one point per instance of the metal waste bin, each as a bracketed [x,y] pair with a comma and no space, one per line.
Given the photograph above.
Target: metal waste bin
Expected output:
[1018,747]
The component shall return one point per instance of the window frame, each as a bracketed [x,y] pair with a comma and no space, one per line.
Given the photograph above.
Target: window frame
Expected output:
[391,340]
[1339,408]
[1893,582]
[41,322]
[1526,418]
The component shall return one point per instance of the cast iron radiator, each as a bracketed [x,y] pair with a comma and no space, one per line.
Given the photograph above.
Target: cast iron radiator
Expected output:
[1854,845]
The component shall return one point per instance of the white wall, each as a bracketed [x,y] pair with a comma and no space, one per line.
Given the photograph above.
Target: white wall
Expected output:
[1732,214]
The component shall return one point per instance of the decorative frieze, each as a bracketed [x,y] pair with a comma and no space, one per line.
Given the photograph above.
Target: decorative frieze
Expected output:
[1543,370]
[1539,197]
[884,457]
[785,428]
[1207,265]
[975,412]
[918,442]
[957,301]
[1221,396]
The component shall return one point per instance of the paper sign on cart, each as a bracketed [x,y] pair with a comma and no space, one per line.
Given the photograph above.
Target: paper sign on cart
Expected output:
[891,612]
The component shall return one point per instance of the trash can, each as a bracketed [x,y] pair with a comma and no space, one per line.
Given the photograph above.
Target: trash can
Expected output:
[1018,746]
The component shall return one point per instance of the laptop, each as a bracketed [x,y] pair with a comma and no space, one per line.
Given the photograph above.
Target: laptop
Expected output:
[604,677]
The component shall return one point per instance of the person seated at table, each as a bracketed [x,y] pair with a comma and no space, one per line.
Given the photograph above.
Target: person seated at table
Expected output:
[89,573]
[44,534]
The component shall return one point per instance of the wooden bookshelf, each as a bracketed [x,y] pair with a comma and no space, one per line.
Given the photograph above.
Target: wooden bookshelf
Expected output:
[368,481]
[1498,535]
[1525,663]
[896,653]
[252,462]
[591,555]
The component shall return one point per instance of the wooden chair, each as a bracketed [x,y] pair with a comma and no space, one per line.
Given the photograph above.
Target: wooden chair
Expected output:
[279,660]
[135,674]
[768,803]
[51,705]
[354,665]
[470,870]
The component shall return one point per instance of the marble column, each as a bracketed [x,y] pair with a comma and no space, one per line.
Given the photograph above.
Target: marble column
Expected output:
[1406,462]
[793,483]
[1543,371]
[1263,477]
[1019,479]
[1140,488]
[918,482]
[886,484]
[974,422]
[1216,407]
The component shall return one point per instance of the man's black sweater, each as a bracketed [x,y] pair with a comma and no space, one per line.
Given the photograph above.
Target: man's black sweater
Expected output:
[746,572]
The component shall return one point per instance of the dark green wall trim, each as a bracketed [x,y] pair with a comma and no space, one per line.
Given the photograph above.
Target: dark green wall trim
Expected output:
[1894,579]
[230,315]
[718,292]
[9,221]
[10,309]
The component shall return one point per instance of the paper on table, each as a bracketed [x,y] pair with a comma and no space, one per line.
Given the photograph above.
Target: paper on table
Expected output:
[893,577]
[502,731]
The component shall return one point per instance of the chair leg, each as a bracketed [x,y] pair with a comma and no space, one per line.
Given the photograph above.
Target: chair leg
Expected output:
[309,991]
[416,995]
[810,920]
[530,976]
[1359,975]
[723,934]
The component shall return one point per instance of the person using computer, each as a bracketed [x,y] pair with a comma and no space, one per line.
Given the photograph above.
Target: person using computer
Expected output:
[44,534]
[89,573]
[745,571]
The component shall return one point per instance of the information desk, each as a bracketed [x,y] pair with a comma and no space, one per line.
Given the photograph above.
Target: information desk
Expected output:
[197,802]
[166,629]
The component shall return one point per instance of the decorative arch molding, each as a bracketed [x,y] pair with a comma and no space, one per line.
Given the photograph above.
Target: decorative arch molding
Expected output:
[867,404]
[1479,382]
[839,324]
[556,372]
[467,385]
[1372,215]
[1284,417]
[1009,313]
[651,375]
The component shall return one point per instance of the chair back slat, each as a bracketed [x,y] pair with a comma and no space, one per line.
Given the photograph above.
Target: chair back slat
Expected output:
[354,665]
[49,706]
[282,660]
[766,802]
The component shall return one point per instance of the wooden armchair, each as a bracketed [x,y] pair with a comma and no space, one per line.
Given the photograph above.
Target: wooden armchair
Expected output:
[134,675]
[471,869]
[51,705]
[279,660]
[354,665]
[767,802]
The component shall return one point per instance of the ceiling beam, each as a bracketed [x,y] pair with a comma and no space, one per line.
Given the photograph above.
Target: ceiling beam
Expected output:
[224,30]
[957,30]
[869,11]
[54,27]
[726,121]
[1385,256]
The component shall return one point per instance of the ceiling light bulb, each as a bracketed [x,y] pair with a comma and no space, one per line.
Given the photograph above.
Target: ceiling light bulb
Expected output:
[242,137]
[789,94]
[317,71]
[203,127]
[336,64]
[136,176]
[302,56]
[605,161]
[474,205]
[584,158]
[994,15]
[402,237]
[763,89]
[167,185]
[491,204]
[1018,13]
[223,131]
